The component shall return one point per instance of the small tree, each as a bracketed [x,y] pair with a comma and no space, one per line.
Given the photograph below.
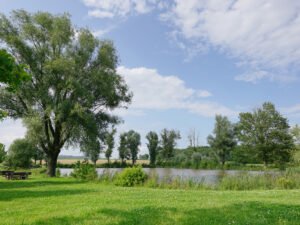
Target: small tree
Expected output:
[110,141]
[267,131]
[38,155]
[123,151]
[152,145]
[223,140]
[91,148]
[144,157]
[168,142]
[2,152]
[193,137]
[295,132]
[20,153]
[133,141]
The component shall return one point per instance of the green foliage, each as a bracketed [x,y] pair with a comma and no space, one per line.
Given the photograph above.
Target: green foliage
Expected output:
[12,74]
[168,142]
[285,183]
[74,80]
[84,171]
[152,145]
[20,154]
[223,140]
[295,132]
[179,159]
[296,157]
[196,159]
[129,145]
[110,141]
[144,157]
[266,131]
[2,152]
[57,174]
[245,181]
[131,176]
[123,150]
[91,148]
[245,154]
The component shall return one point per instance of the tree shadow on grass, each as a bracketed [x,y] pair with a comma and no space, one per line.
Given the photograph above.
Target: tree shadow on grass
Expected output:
[9,195]
[145,216]
[251,213]
[30,183]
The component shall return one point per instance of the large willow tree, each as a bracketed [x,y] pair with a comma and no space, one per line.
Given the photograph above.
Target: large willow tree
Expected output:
[74,82]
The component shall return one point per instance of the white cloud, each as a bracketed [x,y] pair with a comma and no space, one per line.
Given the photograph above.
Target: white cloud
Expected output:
[210,109]
[293,111]
[100,14]
[262,33]
[254,76]
[154,91]
[11,130]
[100,33]
[129,112]
[203,94]
[118,8]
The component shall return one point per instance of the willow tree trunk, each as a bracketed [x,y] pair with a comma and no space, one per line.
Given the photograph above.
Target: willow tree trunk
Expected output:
[52,163]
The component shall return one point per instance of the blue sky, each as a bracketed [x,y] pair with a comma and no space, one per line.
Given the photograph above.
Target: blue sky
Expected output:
[187,60]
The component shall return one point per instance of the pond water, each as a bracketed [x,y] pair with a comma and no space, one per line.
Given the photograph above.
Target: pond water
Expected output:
[207,176]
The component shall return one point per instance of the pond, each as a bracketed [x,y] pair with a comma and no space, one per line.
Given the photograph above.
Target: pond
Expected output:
[208,176]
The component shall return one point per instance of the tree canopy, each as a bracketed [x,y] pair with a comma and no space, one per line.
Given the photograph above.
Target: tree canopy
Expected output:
[152,145]
[20,153]
[110,142]
[223,140]
[168,142]
[12,74]
[74,82]
[267,132]
[133,141]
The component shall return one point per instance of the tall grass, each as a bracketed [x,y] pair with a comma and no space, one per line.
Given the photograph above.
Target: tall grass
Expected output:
[288,179]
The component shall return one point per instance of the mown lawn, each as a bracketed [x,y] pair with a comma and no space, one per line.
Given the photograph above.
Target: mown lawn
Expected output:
[67,201]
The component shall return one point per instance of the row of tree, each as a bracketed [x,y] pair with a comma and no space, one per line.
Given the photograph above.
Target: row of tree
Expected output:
[263,133]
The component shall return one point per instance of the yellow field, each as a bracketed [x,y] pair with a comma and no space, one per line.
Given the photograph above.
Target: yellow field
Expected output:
[100,161]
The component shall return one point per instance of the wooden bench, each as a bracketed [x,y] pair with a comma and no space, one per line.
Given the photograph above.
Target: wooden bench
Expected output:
[7,173]
[15,175]
[21,175]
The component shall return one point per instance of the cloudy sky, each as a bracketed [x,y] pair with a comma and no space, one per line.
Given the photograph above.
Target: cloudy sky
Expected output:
[187,60]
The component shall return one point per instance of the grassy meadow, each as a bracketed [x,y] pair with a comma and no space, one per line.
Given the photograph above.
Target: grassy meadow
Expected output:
[41,200]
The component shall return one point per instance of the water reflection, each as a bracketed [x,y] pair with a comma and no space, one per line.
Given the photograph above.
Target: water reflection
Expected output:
[207,176]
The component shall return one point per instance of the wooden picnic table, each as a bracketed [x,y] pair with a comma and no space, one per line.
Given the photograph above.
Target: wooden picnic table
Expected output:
[11,174]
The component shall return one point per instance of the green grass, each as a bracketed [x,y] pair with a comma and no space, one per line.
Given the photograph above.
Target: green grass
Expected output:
[68,201]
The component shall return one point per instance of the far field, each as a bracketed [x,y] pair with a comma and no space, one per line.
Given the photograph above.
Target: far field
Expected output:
[67,201]
[100,161]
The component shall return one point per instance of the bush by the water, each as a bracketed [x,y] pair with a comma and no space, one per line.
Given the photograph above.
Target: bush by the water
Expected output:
[84,171]
[131,176]
[288,179]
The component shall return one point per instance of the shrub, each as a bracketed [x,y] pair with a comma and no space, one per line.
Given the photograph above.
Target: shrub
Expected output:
[2,152]
[57,174]
[196,158]
[84,171]
[285,183]
[20,153]
[179,158]
[131,176]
